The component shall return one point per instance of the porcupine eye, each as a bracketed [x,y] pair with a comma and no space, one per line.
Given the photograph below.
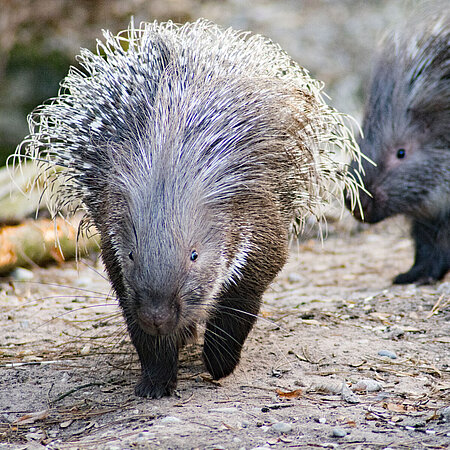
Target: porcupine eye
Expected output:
[130,255]
[401,153]
[194,255]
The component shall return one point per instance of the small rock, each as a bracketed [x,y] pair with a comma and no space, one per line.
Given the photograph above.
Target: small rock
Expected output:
[231,410]
[66,424]
[445,414]
[83,282]
[347,395]
[282,427]
[367,385]
[34,436]
[85,350]
[294,277]
[327,387]
[170,419]
[444,288]
[396,333]
[24,324]
[387,353]
[322,420]
[21,274]
[338,432]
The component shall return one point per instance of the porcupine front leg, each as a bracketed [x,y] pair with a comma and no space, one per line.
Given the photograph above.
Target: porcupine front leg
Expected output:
[227,330]
[238,306]
[158,356]
[432,252]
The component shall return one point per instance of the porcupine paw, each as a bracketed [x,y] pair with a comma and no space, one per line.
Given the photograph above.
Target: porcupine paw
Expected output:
[412,276]
[421,274]
[427,269]
[150,389]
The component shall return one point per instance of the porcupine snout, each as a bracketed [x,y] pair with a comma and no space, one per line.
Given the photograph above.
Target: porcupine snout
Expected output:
[156,314]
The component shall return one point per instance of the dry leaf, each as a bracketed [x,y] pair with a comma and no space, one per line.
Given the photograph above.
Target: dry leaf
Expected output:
[395,407]
[31,417]
[292,394]
[396,419]
[382,317]
[398,407]
[311,322]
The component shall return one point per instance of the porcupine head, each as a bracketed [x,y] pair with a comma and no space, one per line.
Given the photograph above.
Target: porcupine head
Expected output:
[406,130]
[194,151]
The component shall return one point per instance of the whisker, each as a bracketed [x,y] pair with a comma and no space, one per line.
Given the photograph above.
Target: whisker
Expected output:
[59,316]
[97,272]
[65,286]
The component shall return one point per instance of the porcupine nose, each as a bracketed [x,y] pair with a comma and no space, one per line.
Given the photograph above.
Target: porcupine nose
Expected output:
[158,321]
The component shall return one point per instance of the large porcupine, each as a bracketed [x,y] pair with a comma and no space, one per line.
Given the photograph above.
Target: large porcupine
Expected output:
[407,134]
[194,150]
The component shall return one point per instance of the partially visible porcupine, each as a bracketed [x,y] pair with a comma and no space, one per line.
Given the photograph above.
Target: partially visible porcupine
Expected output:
[407,134]
[193,151]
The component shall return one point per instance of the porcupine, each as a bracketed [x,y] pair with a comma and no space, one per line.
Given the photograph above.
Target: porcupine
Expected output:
[406,131]
[194,151]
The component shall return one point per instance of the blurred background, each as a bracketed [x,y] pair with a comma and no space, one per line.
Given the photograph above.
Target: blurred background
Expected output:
[39,40]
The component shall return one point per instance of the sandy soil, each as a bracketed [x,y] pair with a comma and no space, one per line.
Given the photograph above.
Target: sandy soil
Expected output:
[311,374]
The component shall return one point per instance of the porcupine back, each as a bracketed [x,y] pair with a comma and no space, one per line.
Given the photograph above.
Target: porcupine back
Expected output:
[187,97]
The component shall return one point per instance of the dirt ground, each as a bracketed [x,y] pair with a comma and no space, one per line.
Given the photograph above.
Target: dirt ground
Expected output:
[311,374]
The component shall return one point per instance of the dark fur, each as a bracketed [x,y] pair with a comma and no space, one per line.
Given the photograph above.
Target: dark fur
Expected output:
[408,108]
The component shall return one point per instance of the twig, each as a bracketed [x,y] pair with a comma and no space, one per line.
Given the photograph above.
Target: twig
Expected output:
[78,388]
[438,306]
